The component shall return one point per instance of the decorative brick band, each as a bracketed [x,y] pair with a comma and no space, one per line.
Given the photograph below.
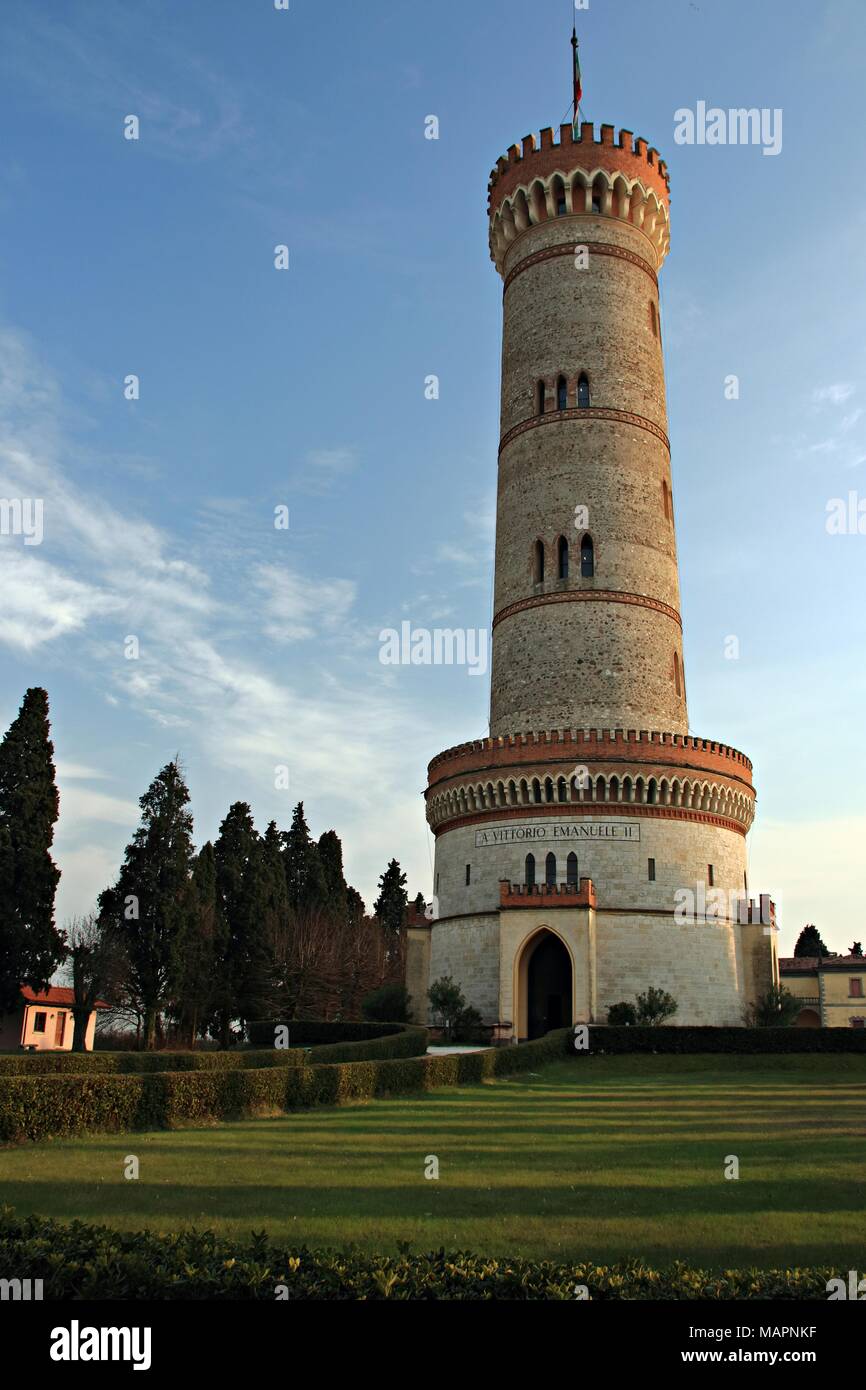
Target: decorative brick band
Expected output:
[595,248]
[613,809]
[588,596]
[587,412]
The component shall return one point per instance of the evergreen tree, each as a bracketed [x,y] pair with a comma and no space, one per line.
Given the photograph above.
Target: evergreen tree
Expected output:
[809,943]
[31,947]
[856,949]
[330,852]
[390,906]
[152,906]
[356,909]
[242,897]
[196,994]
[305,877]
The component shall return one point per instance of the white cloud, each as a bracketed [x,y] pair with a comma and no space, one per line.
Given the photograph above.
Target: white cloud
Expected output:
[835,394]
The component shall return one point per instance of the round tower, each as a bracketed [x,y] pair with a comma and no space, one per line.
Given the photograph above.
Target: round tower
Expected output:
[588,848]
[586,627]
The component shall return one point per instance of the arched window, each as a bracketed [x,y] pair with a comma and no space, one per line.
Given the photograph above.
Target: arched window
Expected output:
[538,562]
[562,789]
[530,871]
[677,681]
[571,870]
[562,394]
[548,789]
[559,198]
[562,557]
[550,870]
[540,397]
[583,390]
[654,318]
[587,557]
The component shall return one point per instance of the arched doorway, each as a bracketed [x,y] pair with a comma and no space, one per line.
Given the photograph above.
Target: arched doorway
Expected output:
[807,1018]
[546,977]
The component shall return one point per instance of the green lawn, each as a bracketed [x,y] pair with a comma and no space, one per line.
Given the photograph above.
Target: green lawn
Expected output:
[596,1158]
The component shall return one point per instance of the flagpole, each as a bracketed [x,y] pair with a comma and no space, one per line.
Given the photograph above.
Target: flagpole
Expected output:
[575,66]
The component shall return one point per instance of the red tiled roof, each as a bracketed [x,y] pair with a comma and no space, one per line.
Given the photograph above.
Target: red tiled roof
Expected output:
[808,963]
[54,994]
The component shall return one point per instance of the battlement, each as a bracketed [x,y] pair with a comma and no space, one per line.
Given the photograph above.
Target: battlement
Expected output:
[578,176]
[575,151]
[547,894]
[592,743]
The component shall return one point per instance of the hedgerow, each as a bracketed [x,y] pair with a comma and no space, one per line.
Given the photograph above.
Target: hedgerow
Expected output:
[379,1040]
[45,1106]
[93,1262]
[754,1040]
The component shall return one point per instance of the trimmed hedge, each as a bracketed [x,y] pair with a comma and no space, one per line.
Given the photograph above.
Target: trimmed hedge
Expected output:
[93,1063]
[380,1040]
[755,1040]
[42,1107]
[93,1262]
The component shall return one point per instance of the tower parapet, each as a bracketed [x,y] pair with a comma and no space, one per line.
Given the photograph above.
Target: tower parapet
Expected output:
[537,182]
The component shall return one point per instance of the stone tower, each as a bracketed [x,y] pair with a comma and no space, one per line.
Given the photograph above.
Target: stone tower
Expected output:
[589,847]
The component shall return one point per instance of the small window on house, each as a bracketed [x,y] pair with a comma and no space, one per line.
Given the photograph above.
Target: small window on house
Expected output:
[468,874]
[651,870]
[530,871]
[39,1022]
[858,1023]
[583,391]
[587,558]
[855,989]
[711,878]
[562,557]
[538,563]
[550,870]
[540,397]
[571,870]
[562,394]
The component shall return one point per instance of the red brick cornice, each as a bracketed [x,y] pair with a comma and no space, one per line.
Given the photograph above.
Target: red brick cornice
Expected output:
[675,752]
[599,248]
[582,414]
[588,596]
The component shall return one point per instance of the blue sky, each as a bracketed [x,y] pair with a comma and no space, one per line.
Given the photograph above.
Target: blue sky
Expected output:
[305,388]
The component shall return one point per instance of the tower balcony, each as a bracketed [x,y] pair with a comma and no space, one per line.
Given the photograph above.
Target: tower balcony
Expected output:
[536,895]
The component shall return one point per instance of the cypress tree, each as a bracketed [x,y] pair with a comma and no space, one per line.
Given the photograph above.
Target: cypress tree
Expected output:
[809,943]
[242,897]
[196,991]
[31,947]
[331,859]
[152,906]
[305,876]
[390,906]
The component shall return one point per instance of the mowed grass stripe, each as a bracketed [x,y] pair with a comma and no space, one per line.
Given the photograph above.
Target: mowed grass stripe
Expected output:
[596,1158]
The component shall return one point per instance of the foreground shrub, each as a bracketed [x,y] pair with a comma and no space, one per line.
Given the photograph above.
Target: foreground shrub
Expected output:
[312,1032]
[92,1262]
